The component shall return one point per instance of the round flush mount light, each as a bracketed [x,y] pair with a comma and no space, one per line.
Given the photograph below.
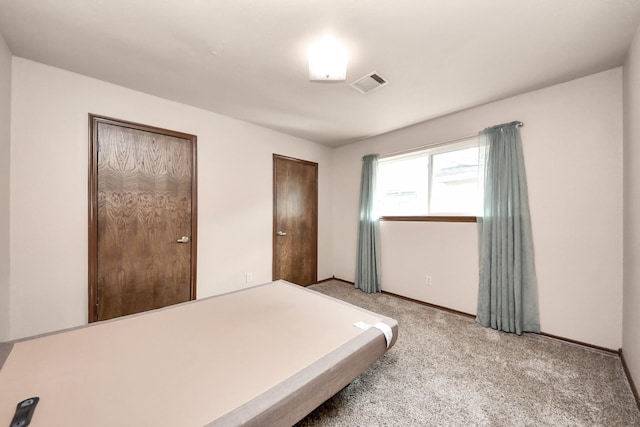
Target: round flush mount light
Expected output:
[328,60]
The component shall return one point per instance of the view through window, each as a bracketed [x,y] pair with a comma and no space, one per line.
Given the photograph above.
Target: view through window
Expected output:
[436,181]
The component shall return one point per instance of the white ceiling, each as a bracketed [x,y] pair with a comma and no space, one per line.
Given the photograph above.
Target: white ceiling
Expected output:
[246,58]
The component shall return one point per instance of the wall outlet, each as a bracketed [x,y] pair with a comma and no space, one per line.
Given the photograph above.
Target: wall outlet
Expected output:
[249,277]
[428,281]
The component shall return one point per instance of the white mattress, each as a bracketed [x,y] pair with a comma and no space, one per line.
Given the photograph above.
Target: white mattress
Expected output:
[268,354]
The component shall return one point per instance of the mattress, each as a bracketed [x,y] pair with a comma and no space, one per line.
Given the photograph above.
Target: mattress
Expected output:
[266,355]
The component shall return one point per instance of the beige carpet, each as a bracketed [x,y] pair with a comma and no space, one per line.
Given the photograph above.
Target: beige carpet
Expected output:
[446,370]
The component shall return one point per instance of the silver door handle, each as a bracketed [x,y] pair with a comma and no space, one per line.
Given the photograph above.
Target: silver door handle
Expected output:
[183,239]
[280,233]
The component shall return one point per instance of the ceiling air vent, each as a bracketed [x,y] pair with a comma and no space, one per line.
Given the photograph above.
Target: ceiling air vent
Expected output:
[369,82]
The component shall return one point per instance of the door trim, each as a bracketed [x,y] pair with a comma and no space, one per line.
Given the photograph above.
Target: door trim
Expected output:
[93,202]
[275,212]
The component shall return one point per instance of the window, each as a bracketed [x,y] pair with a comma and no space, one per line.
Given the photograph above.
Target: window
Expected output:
[440,181]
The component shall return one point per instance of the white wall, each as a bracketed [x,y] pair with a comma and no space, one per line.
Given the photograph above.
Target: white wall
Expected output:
[448,252]
[49,158]
[573,153]
[5,144]
[631,311]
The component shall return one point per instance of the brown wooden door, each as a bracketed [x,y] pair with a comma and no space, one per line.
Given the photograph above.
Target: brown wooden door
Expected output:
[144,203]
[295,220]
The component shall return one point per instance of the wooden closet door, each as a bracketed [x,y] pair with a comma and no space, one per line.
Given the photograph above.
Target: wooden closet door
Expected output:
[295,220]
[145,219]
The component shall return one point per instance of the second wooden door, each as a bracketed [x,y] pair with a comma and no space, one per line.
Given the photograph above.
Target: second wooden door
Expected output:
[295,220]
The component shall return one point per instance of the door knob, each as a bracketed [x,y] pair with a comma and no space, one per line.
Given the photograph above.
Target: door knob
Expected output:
[280,233]
[183,239]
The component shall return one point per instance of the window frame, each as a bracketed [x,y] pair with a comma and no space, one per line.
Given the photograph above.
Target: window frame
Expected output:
[430,151]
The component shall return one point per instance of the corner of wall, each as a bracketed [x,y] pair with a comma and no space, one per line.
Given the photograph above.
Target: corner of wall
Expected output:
[5,152]
[631,208]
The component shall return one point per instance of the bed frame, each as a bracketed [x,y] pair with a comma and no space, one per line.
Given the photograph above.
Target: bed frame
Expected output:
[266,355]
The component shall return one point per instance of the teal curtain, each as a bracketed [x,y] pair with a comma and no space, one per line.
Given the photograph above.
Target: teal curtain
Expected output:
[368,256]
[508,292]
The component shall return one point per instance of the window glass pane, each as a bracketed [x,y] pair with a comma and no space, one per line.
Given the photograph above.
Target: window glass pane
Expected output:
[454,187]
[403,185]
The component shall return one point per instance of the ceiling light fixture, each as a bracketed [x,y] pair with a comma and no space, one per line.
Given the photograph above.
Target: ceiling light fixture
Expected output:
[328,60]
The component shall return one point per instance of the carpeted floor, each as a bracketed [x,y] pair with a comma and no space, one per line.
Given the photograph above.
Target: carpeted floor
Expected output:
[446,370]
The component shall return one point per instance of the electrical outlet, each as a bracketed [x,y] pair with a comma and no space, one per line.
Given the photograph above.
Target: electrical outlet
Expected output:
[249,277]
[428,281]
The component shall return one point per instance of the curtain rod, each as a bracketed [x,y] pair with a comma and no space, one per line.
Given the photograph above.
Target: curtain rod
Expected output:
[435,144]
